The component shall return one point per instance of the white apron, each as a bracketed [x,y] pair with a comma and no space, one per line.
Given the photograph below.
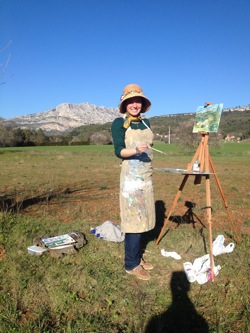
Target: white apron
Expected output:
[136,189]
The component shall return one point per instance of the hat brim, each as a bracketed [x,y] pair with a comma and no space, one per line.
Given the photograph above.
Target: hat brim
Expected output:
[146,104]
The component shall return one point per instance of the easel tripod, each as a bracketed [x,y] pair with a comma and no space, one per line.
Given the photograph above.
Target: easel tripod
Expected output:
[201,154]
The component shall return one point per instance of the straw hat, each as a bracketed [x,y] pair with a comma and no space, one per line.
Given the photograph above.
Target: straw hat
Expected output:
[133,90]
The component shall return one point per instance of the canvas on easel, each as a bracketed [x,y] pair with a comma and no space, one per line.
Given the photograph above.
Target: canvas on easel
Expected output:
[207,118]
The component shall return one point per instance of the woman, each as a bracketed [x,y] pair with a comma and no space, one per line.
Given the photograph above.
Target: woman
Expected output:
[132,138]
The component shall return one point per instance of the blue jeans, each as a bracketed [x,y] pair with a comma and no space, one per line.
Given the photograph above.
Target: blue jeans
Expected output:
[132,246]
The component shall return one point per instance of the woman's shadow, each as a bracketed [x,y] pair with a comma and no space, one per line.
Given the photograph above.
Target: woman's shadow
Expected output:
[181,316]
[160,216]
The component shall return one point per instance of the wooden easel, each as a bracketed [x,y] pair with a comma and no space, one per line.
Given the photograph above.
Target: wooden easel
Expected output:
[202,155]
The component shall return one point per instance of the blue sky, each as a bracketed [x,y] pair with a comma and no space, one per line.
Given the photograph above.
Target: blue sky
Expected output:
[182,53]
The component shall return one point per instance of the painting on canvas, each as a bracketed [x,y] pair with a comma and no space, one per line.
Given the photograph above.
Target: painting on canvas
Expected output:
[207,118]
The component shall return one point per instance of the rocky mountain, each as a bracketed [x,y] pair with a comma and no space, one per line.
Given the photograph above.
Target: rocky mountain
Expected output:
[65,117]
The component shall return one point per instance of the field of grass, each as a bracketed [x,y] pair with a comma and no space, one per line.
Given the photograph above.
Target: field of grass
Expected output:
[54,190]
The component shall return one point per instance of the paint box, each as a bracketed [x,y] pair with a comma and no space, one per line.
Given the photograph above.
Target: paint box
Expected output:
[36,250]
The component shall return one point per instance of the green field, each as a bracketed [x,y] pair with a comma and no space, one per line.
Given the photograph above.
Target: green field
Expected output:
[53,190]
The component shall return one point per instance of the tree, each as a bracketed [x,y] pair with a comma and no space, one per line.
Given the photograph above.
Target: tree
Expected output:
[100,138]
[7,138]
[41,138]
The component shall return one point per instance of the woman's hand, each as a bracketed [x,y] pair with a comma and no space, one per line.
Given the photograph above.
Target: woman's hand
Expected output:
[141,147]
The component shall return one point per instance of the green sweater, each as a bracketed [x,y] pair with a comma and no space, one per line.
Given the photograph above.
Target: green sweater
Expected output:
[118,133]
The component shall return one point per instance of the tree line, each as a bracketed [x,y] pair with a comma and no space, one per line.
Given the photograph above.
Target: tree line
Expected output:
[10,136]
[17,137]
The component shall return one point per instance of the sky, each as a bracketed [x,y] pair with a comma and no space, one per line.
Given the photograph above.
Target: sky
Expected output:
[181,52]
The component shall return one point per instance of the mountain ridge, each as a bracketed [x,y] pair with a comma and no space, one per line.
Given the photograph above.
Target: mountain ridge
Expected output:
[65,117]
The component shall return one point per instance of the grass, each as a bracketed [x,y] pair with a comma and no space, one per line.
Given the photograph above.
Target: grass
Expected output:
[59,189]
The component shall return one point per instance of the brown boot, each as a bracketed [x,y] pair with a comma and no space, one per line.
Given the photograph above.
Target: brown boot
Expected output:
[146,265]
[140,273]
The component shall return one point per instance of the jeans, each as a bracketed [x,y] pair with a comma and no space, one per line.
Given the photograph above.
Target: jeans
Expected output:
[132,245]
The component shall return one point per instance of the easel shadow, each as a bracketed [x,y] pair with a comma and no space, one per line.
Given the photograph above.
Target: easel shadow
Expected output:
[181,316]
[189,217]
[160,212]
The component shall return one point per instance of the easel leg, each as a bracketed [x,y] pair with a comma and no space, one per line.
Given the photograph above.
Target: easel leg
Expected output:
[209,222]
[209,207]
[223,199]
[172,207]
[199,154]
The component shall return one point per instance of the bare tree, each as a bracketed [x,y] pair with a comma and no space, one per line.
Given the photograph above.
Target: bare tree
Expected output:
[100,138]
[4,66]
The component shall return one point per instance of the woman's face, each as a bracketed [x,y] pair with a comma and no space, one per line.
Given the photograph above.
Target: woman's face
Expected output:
[134,106]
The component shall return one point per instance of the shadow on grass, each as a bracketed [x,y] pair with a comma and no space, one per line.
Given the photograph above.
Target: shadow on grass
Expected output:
[10,151]
[10,204]
[181,316]
[152,235]
[189,217]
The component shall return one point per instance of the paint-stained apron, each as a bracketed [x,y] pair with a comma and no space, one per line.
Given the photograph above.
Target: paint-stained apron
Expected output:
[136,189]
